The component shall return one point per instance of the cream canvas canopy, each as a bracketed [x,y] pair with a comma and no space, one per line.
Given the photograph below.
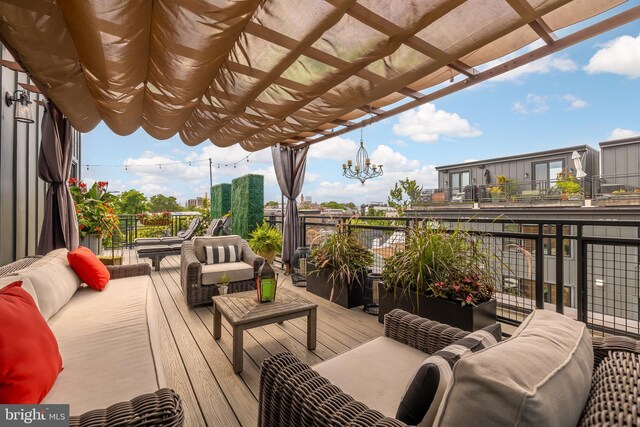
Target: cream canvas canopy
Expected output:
[262,72]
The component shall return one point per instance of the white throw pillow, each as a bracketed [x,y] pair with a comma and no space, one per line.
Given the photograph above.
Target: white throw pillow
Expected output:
[26,285]
[54,281]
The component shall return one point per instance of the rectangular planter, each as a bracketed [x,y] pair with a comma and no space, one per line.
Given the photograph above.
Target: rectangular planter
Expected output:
[467,318]
[318,283]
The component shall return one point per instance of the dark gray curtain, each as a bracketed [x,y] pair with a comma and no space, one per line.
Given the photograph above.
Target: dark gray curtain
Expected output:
[289,164]
[60,224]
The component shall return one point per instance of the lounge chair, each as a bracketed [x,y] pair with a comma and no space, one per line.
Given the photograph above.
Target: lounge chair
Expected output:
[178,239]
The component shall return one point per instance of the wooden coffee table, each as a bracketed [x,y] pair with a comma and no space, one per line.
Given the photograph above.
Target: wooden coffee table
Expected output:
[243,311]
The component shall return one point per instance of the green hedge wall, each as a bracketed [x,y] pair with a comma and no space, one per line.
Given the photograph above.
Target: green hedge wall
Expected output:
[247,204]
[220,200]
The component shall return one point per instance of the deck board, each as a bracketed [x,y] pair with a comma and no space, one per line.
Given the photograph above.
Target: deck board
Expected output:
[199,367]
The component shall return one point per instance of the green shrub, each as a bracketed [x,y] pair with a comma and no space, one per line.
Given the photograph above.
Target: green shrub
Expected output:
[247,204]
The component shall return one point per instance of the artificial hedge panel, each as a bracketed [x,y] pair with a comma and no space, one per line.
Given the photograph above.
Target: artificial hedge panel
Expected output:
[247,204]
[220,200]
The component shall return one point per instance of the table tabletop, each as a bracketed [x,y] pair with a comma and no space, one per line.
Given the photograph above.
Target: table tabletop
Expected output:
[244,307]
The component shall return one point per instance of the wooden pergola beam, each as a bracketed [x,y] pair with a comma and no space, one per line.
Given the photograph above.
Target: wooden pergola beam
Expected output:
[12,65]
[525,10]
[30,87]
[579,36]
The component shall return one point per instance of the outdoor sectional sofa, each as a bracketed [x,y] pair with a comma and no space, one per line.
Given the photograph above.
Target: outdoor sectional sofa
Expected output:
[551,372]
[109,341]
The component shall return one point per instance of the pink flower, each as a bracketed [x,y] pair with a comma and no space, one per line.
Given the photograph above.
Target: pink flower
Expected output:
[468,298]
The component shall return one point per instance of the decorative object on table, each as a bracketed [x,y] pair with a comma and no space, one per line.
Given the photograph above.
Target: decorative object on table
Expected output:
[94,209]
[266,241]
[223,286]
[266,280]
[371,295]
[338,268]
[363,169]
[444,275]
[299,264]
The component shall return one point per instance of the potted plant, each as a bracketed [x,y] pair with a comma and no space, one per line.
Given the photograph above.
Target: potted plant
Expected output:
[223,286]
[569,186]
[337,268]
[266,241]
[443,275]
[496,193]
[94,209]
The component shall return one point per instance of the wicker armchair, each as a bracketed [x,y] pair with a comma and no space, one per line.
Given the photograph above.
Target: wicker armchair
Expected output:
[192,264]
[293,394]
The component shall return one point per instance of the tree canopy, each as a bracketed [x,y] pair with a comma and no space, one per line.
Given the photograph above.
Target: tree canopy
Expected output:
[405,193]
[162,203]
[271,203]
[131,202]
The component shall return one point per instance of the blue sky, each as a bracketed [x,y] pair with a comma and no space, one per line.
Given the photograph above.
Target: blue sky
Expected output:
[582,95]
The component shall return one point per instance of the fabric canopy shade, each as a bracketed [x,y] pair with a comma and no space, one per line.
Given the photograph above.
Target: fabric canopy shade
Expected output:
[259,72]
[290,164]
[60,224]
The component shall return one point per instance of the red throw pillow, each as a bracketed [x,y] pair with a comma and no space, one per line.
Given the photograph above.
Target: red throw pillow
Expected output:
[89,268]
[30,360]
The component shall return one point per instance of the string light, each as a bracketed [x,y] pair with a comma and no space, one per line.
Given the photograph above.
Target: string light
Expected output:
[160,165]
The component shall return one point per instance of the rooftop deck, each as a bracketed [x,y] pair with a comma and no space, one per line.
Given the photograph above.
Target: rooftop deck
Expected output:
[200,369]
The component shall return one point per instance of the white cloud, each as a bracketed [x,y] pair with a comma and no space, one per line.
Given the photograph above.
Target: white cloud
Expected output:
[619,56]
[399,143]
[427,124]
[533,104]
[384,155]
[575,103]
[336,148]
[544,65]
[619,133]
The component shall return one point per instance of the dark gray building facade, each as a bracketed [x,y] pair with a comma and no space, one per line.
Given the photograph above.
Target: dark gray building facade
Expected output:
[22,192]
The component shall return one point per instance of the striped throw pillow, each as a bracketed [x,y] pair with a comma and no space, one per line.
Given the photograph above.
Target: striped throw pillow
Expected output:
[423,396]
[221,254]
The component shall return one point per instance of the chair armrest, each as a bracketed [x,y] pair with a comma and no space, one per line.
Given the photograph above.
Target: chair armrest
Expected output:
[190,267]
[132,270]
[603,345]
[248,255]
[417,332]
[162,408]
[293,394]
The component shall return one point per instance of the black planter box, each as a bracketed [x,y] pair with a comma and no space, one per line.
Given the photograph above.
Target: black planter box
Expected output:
[318,283]
[467,318]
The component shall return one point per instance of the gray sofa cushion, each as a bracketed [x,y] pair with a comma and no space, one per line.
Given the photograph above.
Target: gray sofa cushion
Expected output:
[236,271]
[541,376]
[375,373]
[424,393]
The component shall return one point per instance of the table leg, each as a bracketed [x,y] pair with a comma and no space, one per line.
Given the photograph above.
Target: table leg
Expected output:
[217,322]
[238,333]
[311,329]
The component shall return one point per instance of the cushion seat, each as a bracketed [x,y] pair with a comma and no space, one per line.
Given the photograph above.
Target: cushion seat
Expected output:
[375,373]
[109,349]
[237,272]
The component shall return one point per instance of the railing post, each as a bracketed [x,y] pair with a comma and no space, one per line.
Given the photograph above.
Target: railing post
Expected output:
[540,267]
[303,230]
[582,277]
[559,269]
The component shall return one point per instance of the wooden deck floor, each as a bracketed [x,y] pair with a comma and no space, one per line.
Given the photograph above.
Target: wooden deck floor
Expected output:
[199,368]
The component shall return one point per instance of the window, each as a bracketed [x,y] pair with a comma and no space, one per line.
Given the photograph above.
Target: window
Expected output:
[74,170]
[458,181]
[545,173]
[550,243]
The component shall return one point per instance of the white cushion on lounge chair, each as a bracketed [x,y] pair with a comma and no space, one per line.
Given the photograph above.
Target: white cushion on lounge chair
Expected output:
[375,373]
[236,271]
[26,285]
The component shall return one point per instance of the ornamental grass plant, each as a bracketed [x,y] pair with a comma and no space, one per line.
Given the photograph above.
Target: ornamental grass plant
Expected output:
[442,263]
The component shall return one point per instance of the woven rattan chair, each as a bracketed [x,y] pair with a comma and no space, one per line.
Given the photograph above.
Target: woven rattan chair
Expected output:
[192,264]
[293,394]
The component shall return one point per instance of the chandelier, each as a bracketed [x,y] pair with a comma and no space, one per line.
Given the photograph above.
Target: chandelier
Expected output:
[363,169]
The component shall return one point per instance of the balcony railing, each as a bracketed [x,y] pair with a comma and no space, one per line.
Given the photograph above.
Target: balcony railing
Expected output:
[132,228]
[586,269]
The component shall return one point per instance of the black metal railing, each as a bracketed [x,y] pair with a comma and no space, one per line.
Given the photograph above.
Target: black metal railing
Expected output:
[586,269]
[132,228]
